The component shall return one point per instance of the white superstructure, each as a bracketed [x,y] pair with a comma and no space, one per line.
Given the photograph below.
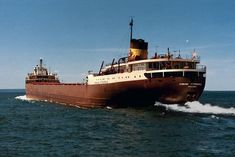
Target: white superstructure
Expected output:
[136,70]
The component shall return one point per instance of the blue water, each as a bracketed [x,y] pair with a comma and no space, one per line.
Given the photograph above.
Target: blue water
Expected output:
[29,128]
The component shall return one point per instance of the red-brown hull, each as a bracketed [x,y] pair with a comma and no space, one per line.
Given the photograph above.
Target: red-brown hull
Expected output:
[133,93]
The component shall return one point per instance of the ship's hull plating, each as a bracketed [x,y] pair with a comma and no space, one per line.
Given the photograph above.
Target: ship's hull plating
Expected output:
[132,93]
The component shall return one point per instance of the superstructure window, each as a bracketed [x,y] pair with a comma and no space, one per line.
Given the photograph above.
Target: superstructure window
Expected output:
[201,74]
[153,65]
[173,74]
[137,67]
[171,65]
[157,75]
[191,74]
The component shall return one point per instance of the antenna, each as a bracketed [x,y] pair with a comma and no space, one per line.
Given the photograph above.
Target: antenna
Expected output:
[131,25]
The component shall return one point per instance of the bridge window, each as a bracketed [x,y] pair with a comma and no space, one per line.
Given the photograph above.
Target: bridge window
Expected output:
[201,74]
[191,74]
[173,74]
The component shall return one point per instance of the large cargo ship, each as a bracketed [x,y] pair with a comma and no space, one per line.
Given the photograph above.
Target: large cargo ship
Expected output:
[134,80]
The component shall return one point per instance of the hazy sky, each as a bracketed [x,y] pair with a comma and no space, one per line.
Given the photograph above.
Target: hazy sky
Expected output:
[74,36]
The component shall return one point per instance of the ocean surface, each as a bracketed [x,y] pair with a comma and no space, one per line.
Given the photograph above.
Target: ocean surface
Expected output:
[31,128]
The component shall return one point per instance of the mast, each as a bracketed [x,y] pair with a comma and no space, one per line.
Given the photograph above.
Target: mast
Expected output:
[40,65]
[131,25]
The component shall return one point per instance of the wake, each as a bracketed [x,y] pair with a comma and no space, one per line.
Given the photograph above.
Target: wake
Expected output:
[188,107]
[197,107]
[23,98]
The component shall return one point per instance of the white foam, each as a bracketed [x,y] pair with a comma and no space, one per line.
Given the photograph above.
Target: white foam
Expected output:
[197,107]
[23,97]
[109,108]
[215,117]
